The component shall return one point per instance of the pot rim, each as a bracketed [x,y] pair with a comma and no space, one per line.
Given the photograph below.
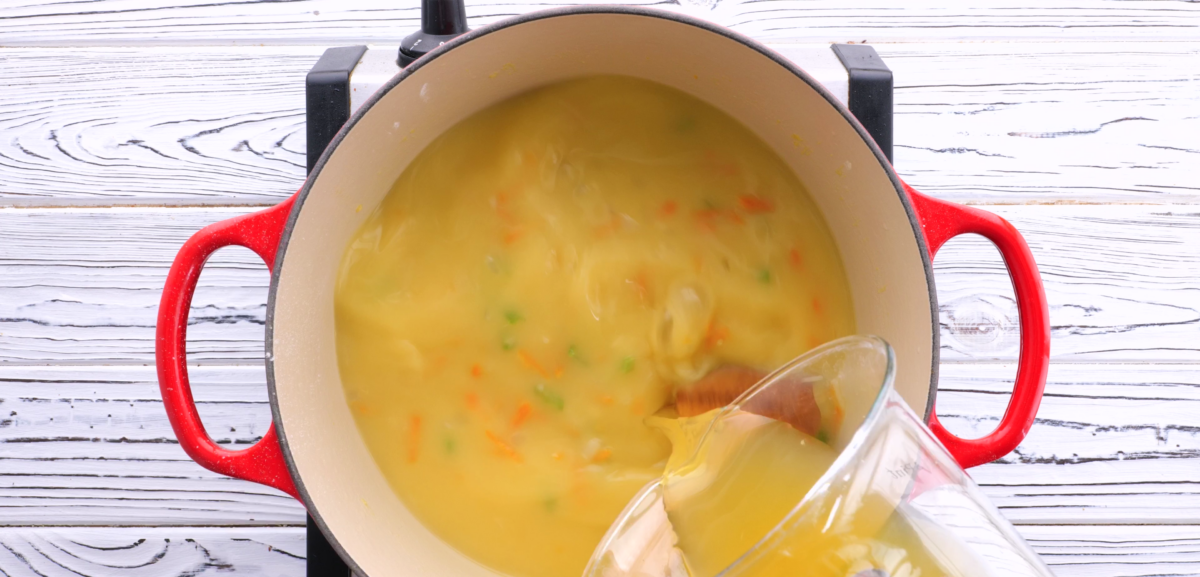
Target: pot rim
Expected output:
[927,262]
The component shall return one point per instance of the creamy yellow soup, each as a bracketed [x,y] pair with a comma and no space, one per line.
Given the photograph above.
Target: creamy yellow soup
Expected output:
[538,281]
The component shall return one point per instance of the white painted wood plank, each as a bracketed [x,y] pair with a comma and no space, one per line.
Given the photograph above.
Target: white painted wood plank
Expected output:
[1117,551]
[1120,281]
[1077,122]
[1096,551]
[157,552]
[1123,283]
[1112,443]
[92,446]
[121,22]
[92,292]
[974,123]
[128,125]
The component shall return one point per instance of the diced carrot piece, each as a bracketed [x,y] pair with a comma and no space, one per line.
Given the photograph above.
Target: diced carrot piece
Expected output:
[669,207]
[414,438]
[472,400]
[795,258]
[513,236]
[503,447]
[602,455]
[817,306]
[756,204]
[522,415]
[707,217]
[530,363]
[715,335]
[605,400]
[476,370]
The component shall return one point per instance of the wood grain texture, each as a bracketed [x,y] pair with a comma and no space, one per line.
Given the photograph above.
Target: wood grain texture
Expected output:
[1123,283]
[151,552]
[1112,443]
[1011,122]
[168,126]
[1094,551]
[329,22]
[1074,122]
[1117,551]
[92,446]
[1120,281]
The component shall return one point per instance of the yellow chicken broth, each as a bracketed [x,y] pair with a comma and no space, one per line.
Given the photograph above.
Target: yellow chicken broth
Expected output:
[536,283]
[726,495]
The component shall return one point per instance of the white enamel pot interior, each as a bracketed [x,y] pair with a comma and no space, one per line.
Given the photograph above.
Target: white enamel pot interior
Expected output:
[859,196]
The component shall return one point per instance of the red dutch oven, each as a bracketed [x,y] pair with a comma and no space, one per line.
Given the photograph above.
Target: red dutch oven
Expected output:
[887,234]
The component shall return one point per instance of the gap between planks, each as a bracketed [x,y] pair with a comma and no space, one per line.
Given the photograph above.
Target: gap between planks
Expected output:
[1121,283]
[1043,122]
[91,445]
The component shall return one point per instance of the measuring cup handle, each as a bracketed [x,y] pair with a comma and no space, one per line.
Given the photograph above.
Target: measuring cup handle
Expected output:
[262,462]
[942,221]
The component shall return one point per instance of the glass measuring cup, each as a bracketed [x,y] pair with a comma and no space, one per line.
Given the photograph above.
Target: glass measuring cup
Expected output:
[893,502]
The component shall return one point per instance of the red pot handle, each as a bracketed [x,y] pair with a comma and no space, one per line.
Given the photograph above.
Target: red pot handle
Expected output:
[262,462]
[942,221]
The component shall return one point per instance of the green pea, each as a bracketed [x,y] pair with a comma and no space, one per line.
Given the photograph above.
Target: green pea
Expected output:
[548,396]
[627,365]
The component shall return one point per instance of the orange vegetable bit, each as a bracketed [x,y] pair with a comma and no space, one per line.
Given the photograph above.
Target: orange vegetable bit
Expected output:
[362,408]
[817,306]
[529,362]
[472,401]
[524,410]
[500,205]
[796,259]
[605,400]
[513,236]
[503,447]
[706,218]
[414,438]
[639,283]
[668,208]
[715,335]
[476,370]
[602,455]
[754,204]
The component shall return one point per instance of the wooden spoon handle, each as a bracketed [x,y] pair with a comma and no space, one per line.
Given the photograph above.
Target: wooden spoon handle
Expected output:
[790,400]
